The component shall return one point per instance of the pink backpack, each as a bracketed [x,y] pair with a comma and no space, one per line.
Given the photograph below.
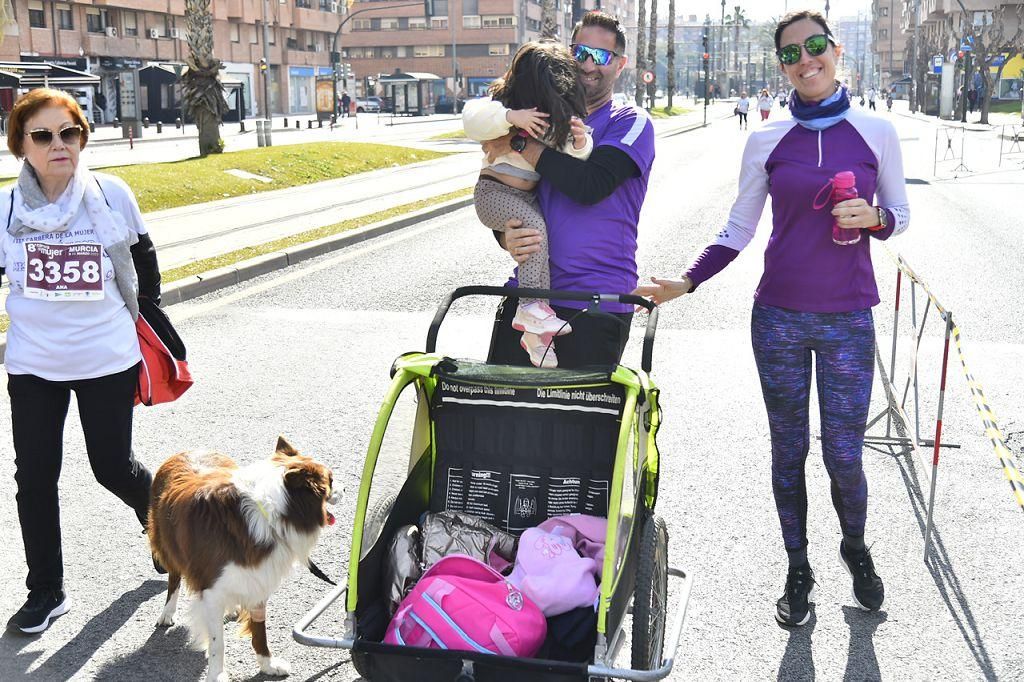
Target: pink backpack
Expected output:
[463,604]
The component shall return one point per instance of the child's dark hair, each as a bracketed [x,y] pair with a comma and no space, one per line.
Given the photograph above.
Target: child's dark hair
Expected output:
[800,15]
[544,75]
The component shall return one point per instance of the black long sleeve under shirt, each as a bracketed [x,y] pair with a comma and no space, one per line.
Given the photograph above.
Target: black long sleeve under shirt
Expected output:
[591,181]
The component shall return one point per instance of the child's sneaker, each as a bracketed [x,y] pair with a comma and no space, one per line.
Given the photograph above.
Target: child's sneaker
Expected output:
[540,348]
[537,317]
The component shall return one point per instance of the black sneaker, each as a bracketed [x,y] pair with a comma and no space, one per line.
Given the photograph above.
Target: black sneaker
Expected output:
[793,607]
[868,590]
[41,606]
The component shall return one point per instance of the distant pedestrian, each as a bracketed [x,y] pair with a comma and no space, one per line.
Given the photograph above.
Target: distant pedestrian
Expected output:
[78,258]
[972,100]
[812,308]
[101,107]
[346,104]
[888,101]
[783,96]
[764,104]
[872,96]
[743,108]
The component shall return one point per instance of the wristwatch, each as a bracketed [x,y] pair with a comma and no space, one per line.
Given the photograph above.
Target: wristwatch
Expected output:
[518,143]
[883,219]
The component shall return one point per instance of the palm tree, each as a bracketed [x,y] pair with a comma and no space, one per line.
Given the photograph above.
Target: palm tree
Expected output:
[670,54]
[737,20]
[641,24]
[201,89]
[652,50]
[548,23]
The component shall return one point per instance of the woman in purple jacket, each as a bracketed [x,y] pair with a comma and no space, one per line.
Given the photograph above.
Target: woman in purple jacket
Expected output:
[815,296]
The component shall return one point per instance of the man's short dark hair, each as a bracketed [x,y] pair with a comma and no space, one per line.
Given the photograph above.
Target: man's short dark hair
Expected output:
[605,21]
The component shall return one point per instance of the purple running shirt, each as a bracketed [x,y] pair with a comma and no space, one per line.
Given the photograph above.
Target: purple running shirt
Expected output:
[593,248]
[803,269]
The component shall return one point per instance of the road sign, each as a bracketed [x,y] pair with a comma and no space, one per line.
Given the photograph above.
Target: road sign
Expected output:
[937,63]
[647,77]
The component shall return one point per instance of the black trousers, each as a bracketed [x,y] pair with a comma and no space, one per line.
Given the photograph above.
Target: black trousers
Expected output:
[595,339]
[38,411]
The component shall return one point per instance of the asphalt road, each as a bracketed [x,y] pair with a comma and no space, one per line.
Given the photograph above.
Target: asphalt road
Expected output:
[306,353]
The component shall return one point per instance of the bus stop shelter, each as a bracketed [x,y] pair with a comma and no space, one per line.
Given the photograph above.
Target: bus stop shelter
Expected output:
[412,94]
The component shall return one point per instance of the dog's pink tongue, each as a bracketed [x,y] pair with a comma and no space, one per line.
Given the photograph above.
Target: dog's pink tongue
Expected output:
[330,519]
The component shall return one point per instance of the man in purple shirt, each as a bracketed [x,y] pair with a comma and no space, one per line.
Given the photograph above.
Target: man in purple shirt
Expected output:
[591,208]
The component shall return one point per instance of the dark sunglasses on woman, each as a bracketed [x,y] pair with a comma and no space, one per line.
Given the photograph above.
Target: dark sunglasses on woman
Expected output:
[815,46]
[601,56]
[43,137]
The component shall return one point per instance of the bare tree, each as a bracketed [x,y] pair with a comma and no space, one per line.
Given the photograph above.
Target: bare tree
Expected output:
[987,29]
[6,17]
[201,89]
[652,51]
[548,22]
[670,54]
[641,49]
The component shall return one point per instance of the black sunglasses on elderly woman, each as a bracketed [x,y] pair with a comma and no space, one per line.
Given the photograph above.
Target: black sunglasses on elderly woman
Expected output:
[43,137]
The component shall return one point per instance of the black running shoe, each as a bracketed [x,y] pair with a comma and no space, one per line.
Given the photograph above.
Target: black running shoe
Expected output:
[42,605]
[793,607]
[868,590]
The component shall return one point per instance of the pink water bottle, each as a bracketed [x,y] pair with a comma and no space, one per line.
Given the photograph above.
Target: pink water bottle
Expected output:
[842,189]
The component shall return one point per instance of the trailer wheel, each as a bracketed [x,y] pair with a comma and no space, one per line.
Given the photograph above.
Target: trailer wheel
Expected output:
[376,517]
[650,599]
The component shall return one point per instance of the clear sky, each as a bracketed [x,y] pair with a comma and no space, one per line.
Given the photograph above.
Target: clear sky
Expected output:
[763,9]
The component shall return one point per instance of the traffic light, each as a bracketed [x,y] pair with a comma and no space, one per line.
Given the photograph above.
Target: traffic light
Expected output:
[263,64]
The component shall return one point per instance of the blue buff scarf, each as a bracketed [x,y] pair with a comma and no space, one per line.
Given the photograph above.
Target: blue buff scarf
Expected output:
[824,114]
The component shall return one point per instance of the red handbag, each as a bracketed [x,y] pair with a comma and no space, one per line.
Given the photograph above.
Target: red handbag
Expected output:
[163,373]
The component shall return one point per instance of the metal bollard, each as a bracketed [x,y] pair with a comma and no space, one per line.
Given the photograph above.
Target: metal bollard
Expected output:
[267,127]
[261,136]
[320,123]
[145,121]
[298,124]
[159,127]
[286,122]
[92,127]
[241,126]
[177,122]
[309,124]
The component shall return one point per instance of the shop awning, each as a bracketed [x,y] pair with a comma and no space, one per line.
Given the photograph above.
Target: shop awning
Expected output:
[229,82]
[43,74]
[411,77]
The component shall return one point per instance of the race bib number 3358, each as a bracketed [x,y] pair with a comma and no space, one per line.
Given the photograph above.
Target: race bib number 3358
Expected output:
[63,272]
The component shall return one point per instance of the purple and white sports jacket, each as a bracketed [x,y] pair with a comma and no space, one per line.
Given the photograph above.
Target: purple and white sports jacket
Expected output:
[803,269]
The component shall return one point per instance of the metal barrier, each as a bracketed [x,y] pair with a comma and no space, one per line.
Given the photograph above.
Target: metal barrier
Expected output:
[948,138]
[1011,146]
[909,432]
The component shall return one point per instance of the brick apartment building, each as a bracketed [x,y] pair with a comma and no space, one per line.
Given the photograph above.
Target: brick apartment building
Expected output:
[889,40]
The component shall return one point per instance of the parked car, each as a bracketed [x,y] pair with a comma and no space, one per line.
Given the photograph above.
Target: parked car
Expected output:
[369,105]
[444,105]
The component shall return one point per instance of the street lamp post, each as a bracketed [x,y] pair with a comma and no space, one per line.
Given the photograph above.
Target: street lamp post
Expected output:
[266,62]
[336,54]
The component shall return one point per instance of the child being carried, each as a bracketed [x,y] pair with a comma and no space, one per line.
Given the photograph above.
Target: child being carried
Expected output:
[541,97]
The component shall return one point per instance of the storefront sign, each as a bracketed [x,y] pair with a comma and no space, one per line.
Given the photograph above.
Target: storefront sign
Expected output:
[120,63]
[68,62]
[325,95]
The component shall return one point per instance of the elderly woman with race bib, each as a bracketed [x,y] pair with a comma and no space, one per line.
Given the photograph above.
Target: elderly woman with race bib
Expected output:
[77,256]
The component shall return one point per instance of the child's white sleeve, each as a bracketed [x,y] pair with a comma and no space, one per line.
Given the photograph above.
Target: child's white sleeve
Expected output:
[581,154]
[484,119]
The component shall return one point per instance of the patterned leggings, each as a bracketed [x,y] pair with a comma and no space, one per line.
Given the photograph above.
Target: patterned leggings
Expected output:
[843,345]
[497,203]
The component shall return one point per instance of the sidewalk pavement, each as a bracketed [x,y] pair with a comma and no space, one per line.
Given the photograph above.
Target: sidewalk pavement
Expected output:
[189,233]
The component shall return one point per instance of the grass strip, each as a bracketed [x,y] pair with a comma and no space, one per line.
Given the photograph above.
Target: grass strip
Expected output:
[232,257]
[239,255]
[665,112]
[160,186]
[453,135]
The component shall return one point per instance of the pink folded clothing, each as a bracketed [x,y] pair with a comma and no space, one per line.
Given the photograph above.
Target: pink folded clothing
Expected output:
[552,573]
[586,532]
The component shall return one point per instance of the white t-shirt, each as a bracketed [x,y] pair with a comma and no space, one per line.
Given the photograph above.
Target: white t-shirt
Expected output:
[765,102]
[743,105]
[66,340]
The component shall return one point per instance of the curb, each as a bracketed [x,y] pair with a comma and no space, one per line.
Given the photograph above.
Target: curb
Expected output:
[214,280]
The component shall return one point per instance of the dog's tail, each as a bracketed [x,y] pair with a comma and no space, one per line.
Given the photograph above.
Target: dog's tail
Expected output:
[244,623]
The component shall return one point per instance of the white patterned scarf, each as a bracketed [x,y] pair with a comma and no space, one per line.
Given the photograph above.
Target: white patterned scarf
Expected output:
[33,212]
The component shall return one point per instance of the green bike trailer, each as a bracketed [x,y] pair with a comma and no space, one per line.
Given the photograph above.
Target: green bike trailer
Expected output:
[516,446]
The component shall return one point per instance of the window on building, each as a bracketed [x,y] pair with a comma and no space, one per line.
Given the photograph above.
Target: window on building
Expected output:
[428,51]
[440,8]
[983,18]
[272,32]
[292,43]
[532,24]
[65,22]
[361,25]
[471,22]
[417,23]
[883,33]
[305,4]
[389,24]
[131,23]
[254,31]
[168,24]
[497,50]
[36,15]
[470,7]
[404,51]
[438,22]
[883,11]
[499,21]
[93,20]
[388,52]
[235,31]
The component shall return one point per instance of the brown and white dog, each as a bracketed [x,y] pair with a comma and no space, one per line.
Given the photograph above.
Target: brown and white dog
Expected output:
[233,533]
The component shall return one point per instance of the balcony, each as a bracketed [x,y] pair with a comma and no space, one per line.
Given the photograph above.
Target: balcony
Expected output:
[314,20]
[131,46]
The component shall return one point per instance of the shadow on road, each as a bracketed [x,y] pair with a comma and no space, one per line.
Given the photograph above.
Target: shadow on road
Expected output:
[797,664]
[939,564]
[70,658]
[166,655]
[861,659]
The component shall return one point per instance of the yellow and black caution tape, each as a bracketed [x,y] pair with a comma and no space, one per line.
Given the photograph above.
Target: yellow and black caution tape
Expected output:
[988,417]
[992,432]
